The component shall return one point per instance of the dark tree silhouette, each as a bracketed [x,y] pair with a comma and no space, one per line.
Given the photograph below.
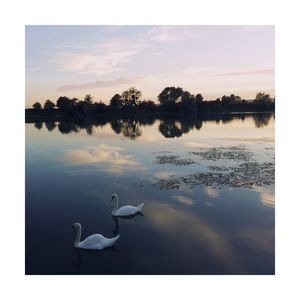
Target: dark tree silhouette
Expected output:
[238,99]
[263,97]
[225,100]
[187,97]
[117,101]
[199,101]
[49,104]
[131,96]
[64,102]
[171,99]
[80,105]
[170,95]
[147,120]
[37,105]
[199,98]
[100,107]
[188,102]
[88,99]
[75,101]
[147,105]
[232,99]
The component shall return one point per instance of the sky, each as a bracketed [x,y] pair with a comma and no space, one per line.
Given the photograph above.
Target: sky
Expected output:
[103,60]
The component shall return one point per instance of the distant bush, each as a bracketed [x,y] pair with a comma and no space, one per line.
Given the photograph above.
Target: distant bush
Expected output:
[49,104]
[37,105]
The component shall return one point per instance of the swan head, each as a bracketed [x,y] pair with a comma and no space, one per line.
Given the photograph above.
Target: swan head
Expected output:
[76,225]
[114,196]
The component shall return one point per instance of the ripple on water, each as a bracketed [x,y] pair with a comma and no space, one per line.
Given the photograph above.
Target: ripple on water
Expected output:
[247,174]
[173,160]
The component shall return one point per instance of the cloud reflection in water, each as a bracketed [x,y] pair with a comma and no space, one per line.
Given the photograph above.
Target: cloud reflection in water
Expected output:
[267,196]
[188,230]
[110,156]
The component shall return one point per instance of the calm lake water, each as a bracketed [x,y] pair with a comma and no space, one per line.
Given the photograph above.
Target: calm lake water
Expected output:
[207,185]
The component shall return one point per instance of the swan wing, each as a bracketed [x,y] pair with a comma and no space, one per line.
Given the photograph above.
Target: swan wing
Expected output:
[126,210]
[97,242]
[92,241]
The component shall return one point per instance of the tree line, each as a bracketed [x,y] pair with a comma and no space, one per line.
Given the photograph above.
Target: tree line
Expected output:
[173,99]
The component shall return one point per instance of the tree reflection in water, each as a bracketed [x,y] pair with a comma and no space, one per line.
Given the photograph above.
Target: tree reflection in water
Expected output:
[66,127]
[261,120]
[50,125]
[169,127]
[38,125]
[131,128]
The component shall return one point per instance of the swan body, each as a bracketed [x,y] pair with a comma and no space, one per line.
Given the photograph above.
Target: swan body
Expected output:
[125,210]
[93,242]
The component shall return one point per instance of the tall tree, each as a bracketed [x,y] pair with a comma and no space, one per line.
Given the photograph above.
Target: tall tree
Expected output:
[74,101]
[225,99]
[116,101]
[232,98]
[186,96]
[261,96]
[170,95]
[88,99]
[199,98]
[131,96]
[188,102]
[64,102]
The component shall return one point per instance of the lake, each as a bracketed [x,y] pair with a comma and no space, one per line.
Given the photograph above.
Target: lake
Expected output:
[207,184]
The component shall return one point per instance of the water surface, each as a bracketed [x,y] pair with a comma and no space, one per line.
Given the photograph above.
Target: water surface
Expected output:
[207,185]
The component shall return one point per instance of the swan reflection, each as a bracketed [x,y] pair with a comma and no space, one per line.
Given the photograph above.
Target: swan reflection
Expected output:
[116,220]
[80,254]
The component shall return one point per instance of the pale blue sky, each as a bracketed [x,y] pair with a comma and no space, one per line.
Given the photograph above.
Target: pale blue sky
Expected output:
[103,60]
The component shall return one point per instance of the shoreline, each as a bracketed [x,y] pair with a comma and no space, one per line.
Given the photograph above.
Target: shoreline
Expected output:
[39,115]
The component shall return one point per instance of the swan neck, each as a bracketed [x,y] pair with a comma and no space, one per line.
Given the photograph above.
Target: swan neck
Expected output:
[78,236]
[117,226]
[116,203]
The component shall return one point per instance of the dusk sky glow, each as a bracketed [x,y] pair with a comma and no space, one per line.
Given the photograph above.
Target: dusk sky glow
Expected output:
[103,60]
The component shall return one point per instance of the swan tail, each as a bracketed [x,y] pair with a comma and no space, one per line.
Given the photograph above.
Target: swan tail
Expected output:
[140,207]
[114,239]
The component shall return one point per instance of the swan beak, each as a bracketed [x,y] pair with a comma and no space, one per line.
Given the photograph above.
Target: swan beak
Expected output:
[73,227]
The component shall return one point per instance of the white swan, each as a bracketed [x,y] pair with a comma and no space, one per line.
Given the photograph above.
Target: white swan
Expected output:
[125,210]
[94,242]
